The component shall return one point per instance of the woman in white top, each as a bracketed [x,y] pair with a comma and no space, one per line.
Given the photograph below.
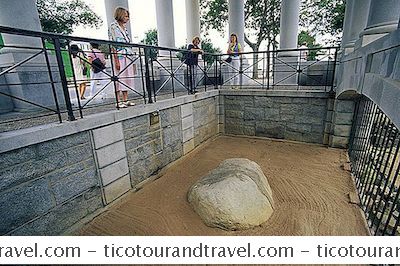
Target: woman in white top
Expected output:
[234,50]
[118,33]
[79,65]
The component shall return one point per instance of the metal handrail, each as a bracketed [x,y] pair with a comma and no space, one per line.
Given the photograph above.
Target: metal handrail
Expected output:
[175,74]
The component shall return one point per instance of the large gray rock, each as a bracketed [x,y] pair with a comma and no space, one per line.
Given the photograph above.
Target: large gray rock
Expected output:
[234,196]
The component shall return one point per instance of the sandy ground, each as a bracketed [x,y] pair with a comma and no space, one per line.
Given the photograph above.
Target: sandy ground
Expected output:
[310,191]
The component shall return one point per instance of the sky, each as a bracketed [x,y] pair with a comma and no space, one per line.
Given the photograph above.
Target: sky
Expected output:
[143,18]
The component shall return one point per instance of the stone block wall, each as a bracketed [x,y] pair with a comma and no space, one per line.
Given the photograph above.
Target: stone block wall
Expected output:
[112,163]
[47,187]
[299,116]
[205,120]
[51,178]
[342,120]
[57,176]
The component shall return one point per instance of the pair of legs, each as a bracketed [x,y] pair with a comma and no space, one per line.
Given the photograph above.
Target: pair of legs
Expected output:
[82,89]
[126,75]
[192,78]
[97,77]
[234,75]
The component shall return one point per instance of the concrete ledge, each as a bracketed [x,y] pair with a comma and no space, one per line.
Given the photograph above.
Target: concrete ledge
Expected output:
[275,93]
[21,138]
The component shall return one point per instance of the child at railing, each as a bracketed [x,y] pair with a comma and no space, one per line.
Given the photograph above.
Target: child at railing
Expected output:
[80,70]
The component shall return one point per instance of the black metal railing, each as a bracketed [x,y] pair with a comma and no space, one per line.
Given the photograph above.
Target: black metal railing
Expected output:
[51,92]
[375,157]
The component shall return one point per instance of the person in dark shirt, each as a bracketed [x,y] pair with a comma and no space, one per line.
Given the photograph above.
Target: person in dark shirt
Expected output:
[192,62]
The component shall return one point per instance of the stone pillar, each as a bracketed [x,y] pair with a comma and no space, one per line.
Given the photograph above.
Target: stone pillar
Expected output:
[347,23]
[110,6]
[165,23]
[192,19]
[23,14]
[383,18]
[286,64]
[236,19]
[289,26]
[359,16]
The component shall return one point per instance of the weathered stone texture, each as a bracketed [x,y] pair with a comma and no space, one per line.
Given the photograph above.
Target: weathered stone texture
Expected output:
[234,196]
[36,181]
[276,117]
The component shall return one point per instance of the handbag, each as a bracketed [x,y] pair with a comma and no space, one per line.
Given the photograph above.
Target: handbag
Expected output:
[97,65]
[229,59]
[84,70]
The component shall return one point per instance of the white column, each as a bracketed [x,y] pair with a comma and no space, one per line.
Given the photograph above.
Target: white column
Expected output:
[192,19]
[359,14]
[110,6]
[383,18]
[236,19]
[285,67]
[21,14]
[289,26]
[347,23]
[165,23]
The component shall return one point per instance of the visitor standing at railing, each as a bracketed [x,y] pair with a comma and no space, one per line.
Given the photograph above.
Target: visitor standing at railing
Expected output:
[98,63]
[80,69]
[192,61]
[122,55]
[234,51]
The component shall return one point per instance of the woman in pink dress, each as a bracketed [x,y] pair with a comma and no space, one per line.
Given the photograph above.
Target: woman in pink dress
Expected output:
[121,55]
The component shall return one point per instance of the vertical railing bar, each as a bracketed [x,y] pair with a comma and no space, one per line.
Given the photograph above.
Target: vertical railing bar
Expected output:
[334,69]
[365,138]
[64,81]
[268,67]
[354,128]
[386,180]
[142,76]
[205,74]
[172,74]
[389,174]
[396,198]
[114,78]
[384,147]
[217,75]
[367,165]
[357,133]
[153,81]
[367,115]
[53,88]
[74,80]
[392,185]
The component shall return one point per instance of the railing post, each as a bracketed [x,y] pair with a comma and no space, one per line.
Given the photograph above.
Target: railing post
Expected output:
[334,69]
[216,74]
[64,81]
[147,74]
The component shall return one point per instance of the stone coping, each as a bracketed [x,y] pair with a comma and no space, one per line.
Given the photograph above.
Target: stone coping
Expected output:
[28,136]
[275,93]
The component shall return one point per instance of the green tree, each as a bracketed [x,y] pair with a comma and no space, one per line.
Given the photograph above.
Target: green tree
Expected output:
[309,40]
[323,17]
[261,22]
[207,47]
[151,39]
[62,16]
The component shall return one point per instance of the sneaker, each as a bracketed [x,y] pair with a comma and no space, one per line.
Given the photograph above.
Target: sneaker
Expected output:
[128,103]
[121,105]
